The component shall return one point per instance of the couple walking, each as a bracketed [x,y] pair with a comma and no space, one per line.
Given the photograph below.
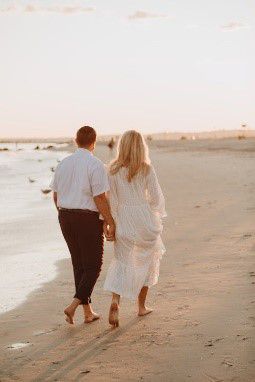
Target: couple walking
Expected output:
[123,203]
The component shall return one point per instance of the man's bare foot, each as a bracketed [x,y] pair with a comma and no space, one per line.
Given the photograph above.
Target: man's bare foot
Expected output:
[69,312]
[91,317]
[144,310]
[114,315]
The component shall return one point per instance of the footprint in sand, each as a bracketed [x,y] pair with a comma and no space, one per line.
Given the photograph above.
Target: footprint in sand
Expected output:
[199,336]
[192,323]
[213,341]
[184,307]
[247,235]
[242,337]
[227,363]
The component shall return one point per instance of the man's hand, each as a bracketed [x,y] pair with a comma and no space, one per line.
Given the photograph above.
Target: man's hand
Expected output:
[104,209]
[109,231]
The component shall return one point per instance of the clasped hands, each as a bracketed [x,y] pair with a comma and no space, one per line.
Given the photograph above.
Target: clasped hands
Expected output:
[109,230]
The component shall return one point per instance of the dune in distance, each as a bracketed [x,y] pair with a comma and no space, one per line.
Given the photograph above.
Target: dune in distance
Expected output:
[216,134]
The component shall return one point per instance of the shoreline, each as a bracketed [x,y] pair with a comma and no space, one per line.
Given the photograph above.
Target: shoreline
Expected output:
[26,245]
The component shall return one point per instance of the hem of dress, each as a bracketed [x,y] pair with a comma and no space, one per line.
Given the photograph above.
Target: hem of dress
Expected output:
[127,296]
[147,279]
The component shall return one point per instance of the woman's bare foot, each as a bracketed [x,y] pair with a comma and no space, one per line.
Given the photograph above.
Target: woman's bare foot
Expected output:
[91,317]
[69,312]
[114,315]
[143,310]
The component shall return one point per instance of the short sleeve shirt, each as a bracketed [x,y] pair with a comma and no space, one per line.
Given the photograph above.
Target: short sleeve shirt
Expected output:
[78,179]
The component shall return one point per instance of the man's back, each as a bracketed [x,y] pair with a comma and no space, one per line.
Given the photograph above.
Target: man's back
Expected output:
[79,178]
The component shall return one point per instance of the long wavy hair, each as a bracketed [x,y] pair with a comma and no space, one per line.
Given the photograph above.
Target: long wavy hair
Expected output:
[133,154]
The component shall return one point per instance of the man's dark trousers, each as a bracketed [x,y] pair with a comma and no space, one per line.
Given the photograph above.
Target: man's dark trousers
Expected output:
[83,232]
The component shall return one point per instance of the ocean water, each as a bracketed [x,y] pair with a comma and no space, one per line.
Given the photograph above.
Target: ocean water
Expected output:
[30,238]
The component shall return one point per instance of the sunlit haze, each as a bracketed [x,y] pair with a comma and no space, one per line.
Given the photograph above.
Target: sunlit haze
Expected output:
[147,64]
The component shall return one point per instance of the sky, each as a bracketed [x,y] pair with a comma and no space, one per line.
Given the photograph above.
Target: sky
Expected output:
[150,65]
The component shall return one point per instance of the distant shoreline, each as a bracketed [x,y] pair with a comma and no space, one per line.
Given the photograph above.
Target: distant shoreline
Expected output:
[217,134]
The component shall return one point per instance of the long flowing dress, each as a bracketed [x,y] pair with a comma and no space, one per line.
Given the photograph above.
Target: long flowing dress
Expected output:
[137,208]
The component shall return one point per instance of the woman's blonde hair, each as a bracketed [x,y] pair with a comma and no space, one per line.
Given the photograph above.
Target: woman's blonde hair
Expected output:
[132,153]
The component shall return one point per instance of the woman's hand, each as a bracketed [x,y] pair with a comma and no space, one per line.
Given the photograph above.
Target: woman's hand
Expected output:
[109,230]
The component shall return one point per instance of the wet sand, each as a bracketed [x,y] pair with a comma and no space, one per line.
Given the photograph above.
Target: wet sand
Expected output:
[203,324]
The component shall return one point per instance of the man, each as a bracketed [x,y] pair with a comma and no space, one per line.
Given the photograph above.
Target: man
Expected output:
[79,191]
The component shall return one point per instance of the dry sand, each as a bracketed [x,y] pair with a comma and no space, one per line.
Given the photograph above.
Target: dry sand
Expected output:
[202,327]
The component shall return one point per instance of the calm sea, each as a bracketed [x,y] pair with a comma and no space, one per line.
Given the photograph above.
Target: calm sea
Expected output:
[30,239]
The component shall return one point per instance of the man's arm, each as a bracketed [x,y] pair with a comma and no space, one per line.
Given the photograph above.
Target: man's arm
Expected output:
[104,209]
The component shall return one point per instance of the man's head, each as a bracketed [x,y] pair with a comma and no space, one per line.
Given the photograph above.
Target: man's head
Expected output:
[86,138]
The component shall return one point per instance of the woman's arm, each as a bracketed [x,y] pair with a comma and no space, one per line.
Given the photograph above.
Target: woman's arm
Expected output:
[113,197]
[155,194]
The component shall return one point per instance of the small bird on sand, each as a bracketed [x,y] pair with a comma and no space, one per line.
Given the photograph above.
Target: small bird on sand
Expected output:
[46,191]
[31,180]
[52,169]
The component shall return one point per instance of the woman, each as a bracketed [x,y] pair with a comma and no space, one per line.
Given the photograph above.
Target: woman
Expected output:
[137,206]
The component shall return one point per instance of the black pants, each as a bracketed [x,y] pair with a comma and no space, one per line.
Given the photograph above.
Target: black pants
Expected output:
[83,233]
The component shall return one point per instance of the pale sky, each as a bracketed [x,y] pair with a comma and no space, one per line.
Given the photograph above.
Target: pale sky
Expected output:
[151,65]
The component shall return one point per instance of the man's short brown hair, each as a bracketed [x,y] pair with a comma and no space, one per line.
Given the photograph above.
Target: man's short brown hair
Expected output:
[86,136]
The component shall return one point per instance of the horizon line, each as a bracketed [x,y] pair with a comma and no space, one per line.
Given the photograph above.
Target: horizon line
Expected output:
[69,138]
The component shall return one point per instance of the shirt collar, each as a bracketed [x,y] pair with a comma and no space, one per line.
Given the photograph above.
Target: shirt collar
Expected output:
[81,150]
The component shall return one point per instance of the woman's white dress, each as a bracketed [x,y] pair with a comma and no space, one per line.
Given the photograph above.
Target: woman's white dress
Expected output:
[137,208]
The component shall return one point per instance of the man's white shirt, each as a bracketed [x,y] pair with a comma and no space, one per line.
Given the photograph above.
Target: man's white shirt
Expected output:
[77,179]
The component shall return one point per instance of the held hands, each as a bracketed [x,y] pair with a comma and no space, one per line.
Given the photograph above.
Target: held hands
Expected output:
[109,230]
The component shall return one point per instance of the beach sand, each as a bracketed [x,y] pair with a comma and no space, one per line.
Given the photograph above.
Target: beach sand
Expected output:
[203,324]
